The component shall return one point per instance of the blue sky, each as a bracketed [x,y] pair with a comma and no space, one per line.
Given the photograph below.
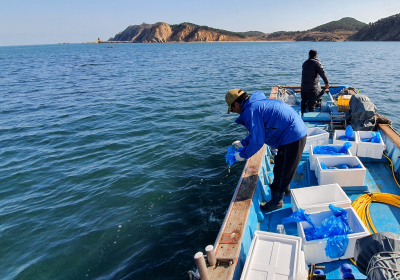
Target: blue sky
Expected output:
[29,22]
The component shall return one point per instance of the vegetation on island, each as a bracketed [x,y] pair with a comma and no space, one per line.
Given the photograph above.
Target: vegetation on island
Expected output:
[206,28]
[344,24]
[387,29]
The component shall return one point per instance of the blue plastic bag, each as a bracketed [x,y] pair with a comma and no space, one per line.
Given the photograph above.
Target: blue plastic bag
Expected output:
[345,148]
[335,229]
[348,134]
[340,166]
[330,150]
[336,246]
[230,156]
[298,216]
[349,131]
[376,138]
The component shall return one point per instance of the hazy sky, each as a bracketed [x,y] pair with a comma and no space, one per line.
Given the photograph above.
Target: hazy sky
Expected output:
[28,22]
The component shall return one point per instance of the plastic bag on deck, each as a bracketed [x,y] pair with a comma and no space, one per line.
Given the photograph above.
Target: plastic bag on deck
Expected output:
[230,156]
[330,150]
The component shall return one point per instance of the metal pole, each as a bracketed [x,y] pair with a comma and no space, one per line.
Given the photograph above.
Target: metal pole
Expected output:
[211,255]
[201,265]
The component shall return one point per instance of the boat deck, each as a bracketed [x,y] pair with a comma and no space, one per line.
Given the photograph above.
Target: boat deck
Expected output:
[378,179]
[244,216]
[385,217]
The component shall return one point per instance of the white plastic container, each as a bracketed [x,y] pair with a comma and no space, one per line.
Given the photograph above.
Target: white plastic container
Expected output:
[316,136]
[317,199]
[368,149]
[314,156]
[314,250]
[272,256]
[344,177]
[354,144]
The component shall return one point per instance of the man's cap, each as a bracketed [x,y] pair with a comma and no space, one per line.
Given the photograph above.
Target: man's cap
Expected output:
[312,53]
[231,96]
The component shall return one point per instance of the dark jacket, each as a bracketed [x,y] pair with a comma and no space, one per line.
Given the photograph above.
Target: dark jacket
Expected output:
[309,78]
[269,121]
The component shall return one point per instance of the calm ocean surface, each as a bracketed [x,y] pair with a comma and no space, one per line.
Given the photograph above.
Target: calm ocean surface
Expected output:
[112,160]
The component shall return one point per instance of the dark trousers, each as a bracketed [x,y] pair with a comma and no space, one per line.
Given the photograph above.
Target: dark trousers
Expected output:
[286,162]
[308,99]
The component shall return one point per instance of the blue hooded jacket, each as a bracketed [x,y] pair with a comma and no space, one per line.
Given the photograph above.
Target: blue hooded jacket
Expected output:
[269,121]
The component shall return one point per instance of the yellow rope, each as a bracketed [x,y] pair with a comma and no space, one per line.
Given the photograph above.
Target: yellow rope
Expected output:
[361,204]
[391,163]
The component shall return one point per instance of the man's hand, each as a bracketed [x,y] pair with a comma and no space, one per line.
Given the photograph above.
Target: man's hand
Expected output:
[238,157]
[327,86]
[237,144]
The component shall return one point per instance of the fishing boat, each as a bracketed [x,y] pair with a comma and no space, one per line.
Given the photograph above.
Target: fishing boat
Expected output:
[227,257]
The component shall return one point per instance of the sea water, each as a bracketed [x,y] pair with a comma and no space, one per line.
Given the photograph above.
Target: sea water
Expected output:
[112,160]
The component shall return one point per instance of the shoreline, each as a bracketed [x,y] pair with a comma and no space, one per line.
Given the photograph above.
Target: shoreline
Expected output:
[172,42]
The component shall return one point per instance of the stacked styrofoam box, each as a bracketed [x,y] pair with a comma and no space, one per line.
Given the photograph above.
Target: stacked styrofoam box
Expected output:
[344,177]
[314,250]
[354,143]
[318,198]
[314,156]
[368,149]
[272,256]
[316,136]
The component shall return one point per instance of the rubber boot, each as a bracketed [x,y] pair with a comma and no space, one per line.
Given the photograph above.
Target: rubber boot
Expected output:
[276,202]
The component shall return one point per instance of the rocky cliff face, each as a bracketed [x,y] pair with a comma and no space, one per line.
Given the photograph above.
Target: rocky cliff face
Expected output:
[162,32]
[387,29]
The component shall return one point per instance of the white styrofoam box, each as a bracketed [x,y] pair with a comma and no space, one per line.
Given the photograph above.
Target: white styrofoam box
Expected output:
[272,256]
[303,267]
[318,198]
[314,156]
[354,144]
[316,136]
[343,177]
[314,250]
[368,149]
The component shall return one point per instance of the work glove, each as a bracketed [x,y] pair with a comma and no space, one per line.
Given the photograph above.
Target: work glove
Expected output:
[238,157]
[237,144]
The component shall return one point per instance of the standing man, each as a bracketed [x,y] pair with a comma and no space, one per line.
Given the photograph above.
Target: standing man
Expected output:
[276,124]
[309,82]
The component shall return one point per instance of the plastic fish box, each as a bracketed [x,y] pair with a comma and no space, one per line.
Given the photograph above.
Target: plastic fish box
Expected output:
[318,198]
[316,136]
[344,177]
[354,144]
[314,156]
[272,256]
[368,149]
[314,250]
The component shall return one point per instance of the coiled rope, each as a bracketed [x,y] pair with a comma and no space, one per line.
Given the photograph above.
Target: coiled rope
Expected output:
[361,204]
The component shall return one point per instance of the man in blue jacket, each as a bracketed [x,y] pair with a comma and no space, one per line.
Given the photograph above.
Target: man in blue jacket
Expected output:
[276,124]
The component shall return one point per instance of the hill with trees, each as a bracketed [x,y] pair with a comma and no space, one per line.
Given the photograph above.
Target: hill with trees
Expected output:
[386,29]
[344,24]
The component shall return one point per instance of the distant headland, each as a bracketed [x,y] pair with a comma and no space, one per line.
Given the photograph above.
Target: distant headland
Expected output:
[345,29]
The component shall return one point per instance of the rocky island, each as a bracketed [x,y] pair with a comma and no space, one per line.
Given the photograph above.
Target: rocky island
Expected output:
[347,28]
